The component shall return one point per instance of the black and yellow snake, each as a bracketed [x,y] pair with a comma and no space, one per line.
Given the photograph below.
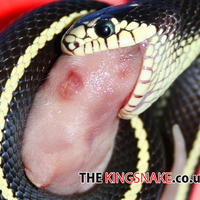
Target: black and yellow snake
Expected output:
[30,46]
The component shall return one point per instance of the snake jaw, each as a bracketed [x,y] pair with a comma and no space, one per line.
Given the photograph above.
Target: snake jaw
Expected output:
[160,64]
[164,52]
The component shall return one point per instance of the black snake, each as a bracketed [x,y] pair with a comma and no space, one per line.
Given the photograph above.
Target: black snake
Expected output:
[171,28]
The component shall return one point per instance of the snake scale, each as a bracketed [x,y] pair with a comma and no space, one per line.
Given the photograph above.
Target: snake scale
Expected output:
[30,46]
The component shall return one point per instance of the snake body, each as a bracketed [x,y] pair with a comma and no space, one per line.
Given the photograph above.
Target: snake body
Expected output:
[30,46]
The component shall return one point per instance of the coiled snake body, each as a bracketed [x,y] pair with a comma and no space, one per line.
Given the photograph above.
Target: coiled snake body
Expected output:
[30,46]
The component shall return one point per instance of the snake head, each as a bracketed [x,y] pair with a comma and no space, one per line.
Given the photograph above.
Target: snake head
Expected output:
[104,30]
[87,37]
[158,36]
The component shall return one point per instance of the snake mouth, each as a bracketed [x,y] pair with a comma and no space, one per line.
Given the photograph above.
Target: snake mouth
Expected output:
[158,71]
[157,45]
[84,38]
[144,61]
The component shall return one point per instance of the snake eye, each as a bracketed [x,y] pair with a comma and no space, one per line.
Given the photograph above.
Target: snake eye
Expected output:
[104,28]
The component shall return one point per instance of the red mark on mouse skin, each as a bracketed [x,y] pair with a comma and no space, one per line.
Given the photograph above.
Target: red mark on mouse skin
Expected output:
[71,85]
[44,186]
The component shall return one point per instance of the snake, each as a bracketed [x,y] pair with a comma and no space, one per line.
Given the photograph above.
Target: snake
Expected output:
[170,31]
